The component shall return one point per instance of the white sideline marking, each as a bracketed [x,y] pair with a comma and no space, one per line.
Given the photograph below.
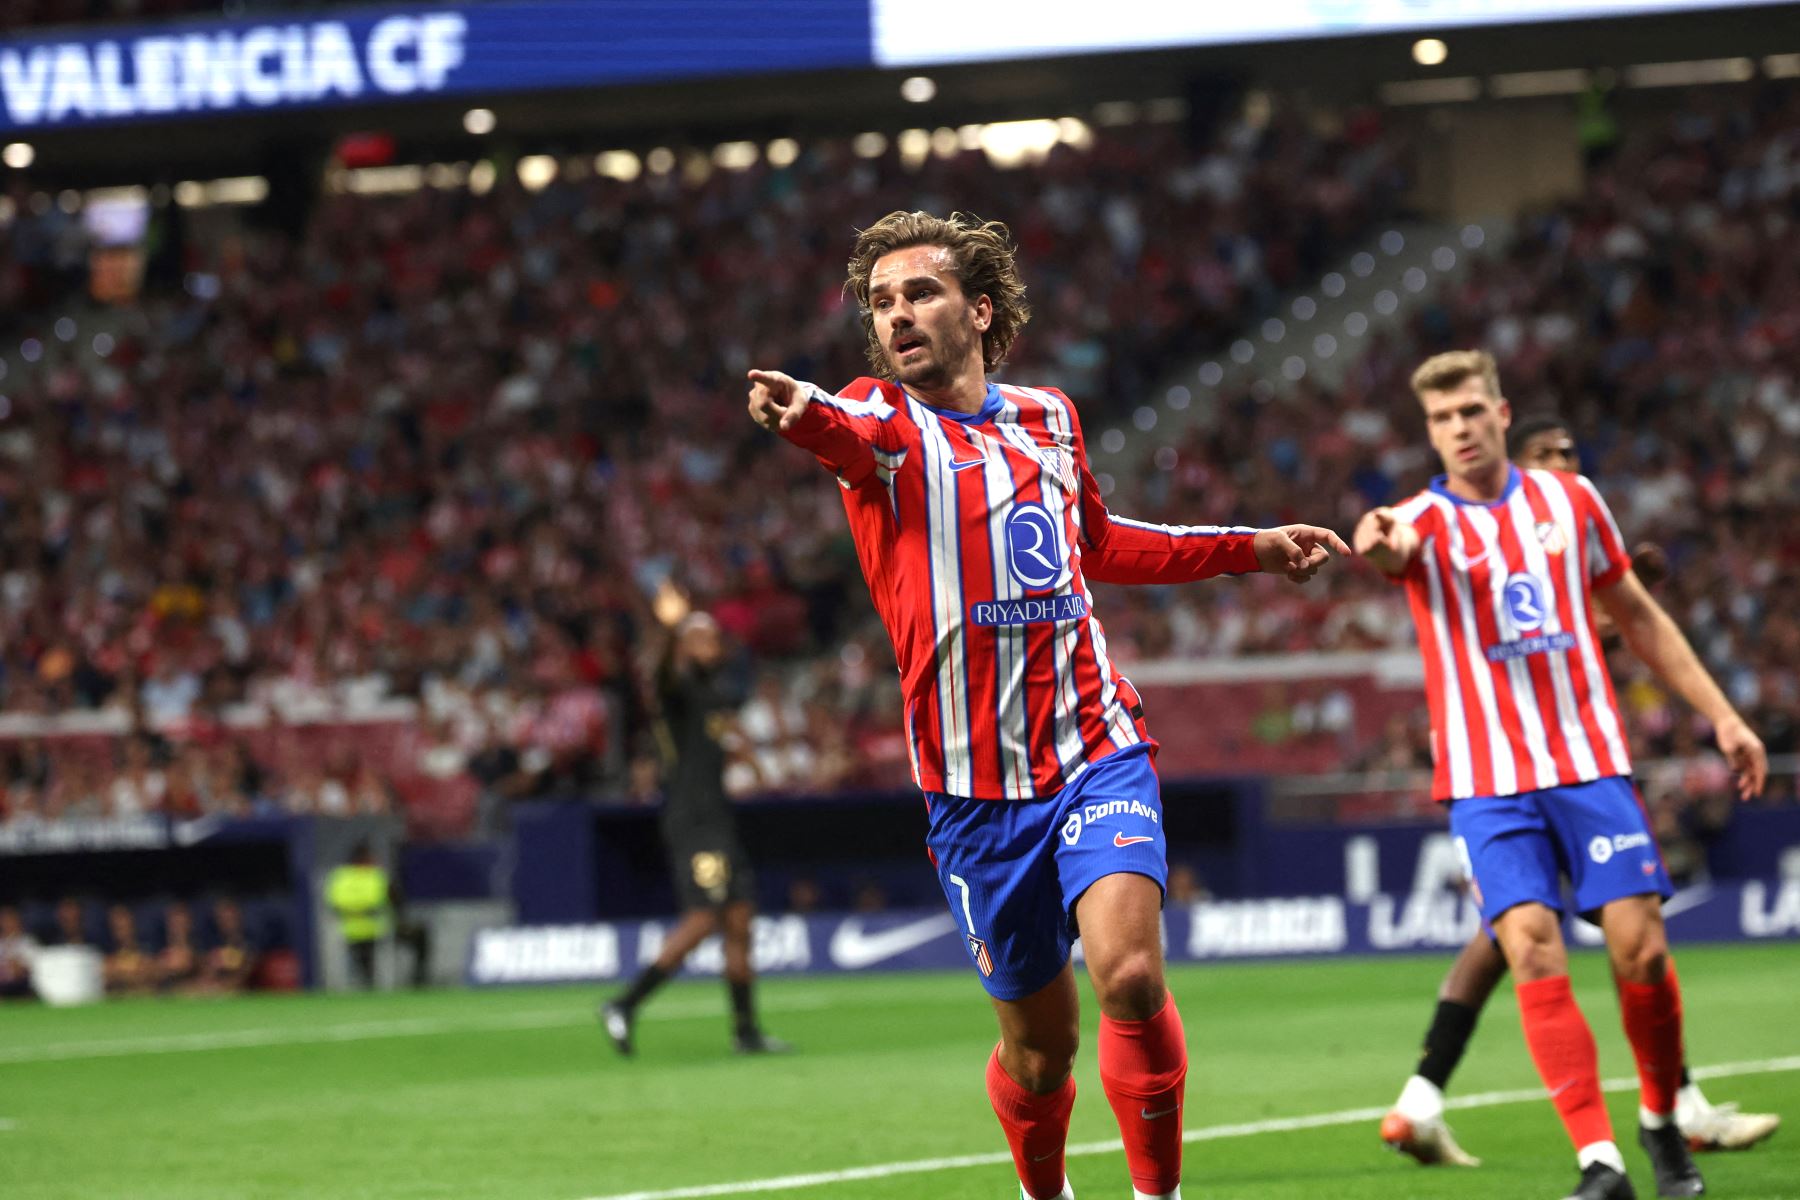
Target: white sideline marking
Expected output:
[1348,1116]
[361,1031]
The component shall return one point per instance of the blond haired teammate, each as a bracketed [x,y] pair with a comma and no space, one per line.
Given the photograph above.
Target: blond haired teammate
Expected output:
[1416,1125]
[1500,566]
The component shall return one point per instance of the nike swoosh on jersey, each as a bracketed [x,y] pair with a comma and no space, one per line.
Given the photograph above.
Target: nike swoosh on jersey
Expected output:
[963,466]
[1464,562]
[853,949]
[1151,1116]
[1121,841]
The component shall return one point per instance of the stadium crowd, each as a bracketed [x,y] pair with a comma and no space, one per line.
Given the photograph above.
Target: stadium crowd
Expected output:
[448,445]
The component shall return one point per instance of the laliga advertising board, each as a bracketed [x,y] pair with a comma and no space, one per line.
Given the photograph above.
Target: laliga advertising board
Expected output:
[931,939]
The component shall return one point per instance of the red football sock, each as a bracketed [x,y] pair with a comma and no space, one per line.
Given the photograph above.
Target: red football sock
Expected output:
[1652,1014]
[1143,1067]
[1562,1046]
[1037,1127]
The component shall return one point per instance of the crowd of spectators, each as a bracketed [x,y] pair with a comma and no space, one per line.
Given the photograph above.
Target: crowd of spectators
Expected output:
[172,951]
[445,445]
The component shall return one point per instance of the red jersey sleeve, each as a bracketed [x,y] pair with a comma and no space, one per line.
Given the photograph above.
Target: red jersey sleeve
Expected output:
[844,431]
[1121,550]
[1607,558]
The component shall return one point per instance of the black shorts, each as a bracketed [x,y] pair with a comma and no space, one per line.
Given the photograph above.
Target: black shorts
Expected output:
[709,874]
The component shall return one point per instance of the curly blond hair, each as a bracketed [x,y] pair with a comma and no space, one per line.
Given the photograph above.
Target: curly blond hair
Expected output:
[985,266]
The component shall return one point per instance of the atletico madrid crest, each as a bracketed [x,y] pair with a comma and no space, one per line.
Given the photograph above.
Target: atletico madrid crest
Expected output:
[1060,465]
[1550,536]
[983,959]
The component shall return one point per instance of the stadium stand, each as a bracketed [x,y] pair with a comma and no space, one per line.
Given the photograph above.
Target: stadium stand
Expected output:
[444,445]
[472,432]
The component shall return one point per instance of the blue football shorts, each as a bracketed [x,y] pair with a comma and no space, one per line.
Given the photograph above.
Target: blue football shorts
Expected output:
[1517,849]
[1012,870]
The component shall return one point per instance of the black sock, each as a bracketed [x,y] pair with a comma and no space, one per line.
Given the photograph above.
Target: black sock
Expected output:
[743,1009]
[1446,1040]
[1686,1079]
[648,981]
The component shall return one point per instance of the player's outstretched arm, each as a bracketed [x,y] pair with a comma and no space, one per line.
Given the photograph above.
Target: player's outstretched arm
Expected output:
[1654,637]
[1385,540]
[807,416]
[777,401]
[1297,551]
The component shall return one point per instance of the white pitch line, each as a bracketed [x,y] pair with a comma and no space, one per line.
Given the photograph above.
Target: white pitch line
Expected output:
[7,1125]
[1348,1116]
[362,1031]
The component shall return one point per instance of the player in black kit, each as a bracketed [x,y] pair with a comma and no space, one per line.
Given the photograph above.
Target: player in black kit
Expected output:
[696,706]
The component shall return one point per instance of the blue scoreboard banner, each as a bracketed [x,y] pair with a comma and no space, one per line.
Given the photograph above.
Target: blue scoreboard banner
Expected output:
[413,52]
[1296,927]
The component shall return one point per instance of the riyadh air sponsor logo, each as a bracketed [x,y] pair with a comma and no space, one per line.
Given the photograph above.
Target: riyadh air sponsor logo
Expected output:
[1524,597]
[1028,612]
[1525,647]
[1034,551]
[854,948]
[1602,848]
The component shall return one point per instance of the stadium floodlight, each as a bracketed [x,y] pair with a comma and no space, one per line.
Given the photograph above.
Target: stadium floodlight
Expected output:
[1014,143]
[915,147]
[623,165]
[1430,52]
[479,121]
[736,156]
[918,89]
[536,172]
[782,152]
[18,155]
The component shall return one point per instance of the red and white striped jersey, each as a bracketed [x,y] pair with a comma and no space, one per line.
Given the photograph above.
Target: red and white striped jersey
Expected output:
[977,534]
[1518,688]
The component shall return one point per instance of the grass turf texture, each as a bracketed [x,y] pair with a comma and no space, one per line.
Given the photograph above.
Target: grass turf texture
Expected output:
[515,1093]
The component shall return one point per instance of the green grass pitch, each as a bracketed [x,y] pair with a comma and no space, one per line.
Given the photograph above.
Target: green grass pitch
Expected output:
[515,1094]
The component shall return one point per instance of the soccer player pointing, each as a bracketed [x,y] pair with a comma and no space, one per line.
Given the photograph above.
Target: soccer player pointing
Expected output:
[1529,750]
[979,525]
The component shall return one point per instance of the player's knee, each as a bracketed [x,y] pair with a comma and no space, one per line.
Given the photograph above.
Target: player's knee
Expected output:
[1645,961]
[1042,1066]
[1537,958]
[1130,988]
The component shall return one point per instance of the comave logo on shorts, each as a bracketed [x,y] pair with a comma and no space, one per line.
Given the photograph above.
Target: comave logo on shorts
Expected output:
[1602,848]
[1071,830]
